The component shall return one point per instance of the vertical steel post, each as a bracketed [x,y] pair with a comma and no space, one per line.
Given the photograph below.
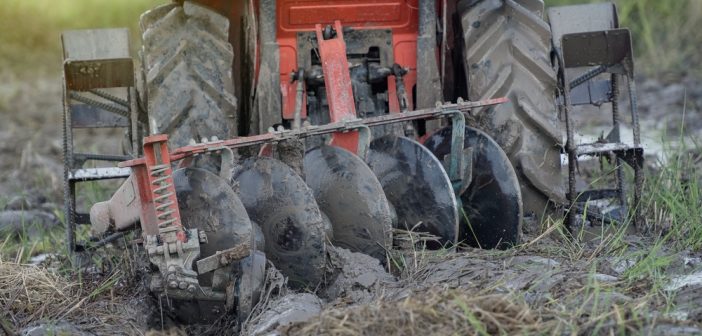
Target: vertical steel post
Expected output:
[337,81]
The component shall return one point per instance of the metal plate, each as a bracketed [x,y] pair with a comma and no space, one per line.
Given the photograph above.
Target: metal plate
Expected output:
[492,204]
[357,42]
[95,44]
[97,74]
[416,184]
[581,18]
[351,197]
[607,47]
[280,202]
[208,203]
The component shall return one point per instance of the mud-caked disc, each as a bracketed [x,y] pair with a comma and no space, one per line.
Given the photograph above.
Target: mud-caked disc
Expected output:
[351,197]
[492,204]
[208,203]
[280,202]
[416,184]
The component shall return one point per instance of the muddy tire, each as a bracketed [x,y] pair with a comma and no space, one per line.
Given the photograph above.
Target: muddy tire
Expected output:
[507,47]
[187,81]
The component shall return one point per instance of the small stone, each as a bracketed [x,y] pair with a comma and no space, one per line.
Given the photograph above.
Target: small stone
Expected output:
[290,309]
[605,278]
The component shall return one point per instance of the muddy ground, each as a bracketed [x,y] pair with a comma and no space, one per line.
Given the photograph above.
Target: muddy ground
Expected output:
[547,285]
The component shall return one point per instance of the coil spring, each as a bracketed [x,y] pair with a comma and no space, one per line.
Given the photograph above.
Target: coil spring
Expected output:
[162,188]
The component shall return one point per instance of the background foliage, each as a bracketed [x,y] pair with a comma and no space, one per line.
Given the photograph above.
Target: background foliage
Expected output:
[666,32]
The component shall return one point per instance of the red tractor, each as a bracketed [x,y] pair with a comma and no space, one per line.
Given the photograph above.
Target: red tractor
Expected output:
[264,130]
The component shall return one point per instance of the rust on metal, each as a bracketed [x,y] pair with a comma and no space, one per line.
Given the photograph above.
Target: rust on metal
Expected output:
[437,112]
[85,75]
[225,257]
[160,214]
[337,81]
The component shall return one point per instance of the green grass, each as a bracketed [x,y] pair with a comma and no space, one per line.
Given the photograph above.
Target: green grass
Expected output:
[31,29]
[666,34]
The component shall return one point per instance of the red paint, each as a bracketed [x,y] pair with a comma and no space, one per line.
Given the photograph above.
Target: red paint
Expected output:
[337,81]
[142,166]
[155,203]
[400,16]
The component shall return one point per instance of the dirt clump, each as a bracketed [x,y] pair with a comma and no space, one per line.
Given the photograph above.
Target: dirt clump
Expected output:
[358,277]
[285,311]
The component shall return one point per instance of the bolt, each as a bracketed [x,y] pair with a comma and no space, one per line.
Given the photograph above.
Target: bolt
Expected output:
[183,285]
[191,288]
[171,268]
[173,284]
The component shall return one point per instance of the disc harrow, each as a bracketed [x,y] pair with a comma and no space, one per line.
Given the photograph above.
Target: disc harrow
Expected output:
[209,227]
[342,201]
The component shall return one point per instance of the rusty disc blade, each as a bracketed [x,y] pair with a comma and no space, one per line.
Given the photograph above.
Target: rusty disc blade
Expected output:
[280,202]
[208,203]
[416,184]
[492,204]
[351,197]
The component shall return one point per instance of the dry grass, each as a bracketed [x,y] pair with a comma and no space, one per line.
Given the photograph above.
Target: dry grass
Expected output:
[30,295]
[435,312]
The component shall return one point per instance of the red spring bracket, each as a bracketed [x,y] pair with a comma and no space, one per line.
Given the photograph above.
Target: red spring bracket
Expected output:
[337,81]
[159,206]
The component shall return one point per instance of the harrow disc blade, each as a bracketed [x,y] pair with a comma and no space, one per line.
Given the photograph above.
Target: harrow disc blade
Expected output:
[351,197]
[280,202]
[208,203]
[492,203]
[417,186]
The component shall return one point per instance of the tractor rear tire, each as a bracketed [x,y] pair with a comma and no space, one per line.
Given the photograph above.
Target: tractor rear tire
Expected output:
[186,90]
[187,80]
[507,53]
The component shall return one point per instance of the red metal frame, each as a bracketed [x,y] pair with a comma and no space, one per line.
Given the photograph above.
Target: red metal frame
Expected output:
[153,174]
[159,206]
[337,81]
[294,16]
[400,16]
